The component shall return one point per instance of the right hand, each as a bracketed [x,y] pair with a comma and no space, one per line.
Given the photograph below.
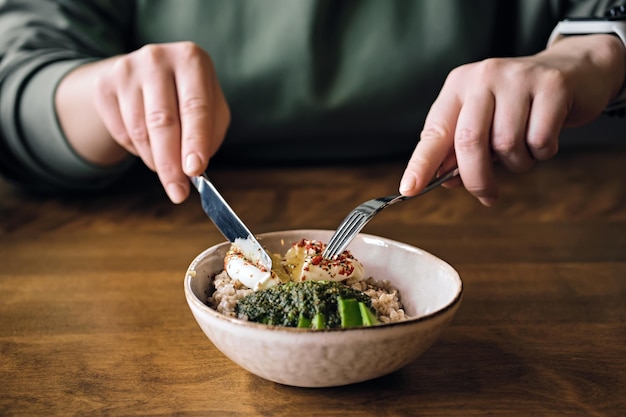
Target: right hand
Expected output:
[164,104]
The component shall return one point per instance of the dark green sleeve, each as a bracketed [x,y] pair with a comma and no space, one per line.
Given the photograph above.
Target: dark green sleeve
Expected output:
[39,43]
[313,79]
[582,8]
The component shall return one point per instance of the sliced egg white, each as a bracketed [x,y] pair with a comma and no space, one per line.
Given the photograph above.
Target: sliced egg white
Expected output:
[252,273]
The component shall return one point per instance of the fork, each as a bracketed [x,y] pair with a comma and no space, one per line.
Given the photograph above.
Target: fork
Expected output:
[364,212]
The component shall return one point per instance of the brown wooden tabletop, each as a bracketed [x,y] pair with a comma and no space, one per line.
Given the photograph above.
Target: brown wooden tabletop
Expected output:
[93,319]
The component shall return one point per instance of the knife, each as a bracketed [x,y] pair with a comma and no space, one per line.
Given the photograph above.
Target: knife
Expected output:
[229,223]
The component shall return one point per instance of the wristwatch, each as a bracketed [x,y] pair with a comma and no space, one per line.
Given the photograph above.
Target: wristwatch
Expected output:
[613,22]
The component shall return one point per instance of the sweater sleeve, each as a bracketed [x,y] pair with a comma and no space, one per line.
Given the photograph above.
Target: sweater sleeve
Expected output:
[39,43]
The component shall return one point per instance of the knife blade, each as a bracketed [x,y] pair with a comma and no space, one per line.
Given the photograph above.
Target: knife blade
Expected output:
[228,222]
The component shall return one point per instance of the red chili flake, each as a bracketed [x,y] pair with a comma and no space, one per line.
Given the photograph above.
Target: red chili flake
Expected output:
[346,270]
[317,259]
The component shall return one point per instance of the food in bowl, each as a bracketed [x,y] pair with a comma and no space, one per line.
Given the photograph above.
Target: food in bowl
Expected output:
[304,290]
[431,293]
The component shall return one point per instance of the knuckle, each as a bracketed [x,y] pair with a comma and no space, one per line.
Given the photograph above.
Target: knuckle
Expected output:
[138,134]
[554,79]
[190,49]
[195,105]
[121,67]
[167,170]
[456,73]
[192,53]
[152,59]
[487,68]
[504,144]
[466,139]
[136,127]
[542,147]
[160,119]
[434,133]
[460,73]
[151,53]
[195,140]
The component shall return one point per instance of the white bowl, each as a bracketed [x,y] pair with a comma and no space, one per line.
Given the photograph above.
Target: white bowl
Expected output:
[430,289]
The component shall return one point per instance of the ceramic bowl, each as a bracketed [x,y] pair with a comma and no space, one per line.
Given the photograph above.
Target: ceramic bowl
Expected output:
[430,290]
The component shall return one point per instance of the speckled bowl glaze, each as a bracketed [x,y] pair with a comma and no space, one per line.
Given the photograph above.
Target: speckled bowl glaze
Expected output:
[430,289]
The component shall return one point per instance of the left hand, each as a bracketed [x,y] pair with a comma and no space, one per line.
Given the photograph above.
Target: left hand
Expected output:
[512,110]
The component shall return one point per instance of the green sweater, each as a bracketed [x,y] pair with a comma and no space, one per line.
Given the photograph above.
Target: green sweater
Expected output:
[305,79]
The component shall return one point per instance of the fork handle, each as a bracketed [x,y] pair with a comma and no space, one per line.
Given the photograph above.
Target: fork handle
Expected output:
[434,183]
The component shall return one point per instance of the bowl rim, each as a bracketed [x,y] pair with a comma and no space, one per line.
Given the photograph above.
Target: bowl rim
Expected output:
[192,298]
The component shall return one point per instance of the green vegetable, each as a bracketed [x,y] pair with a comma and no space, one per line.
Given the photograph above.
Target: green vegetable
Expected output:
[319,321]
[367,315]
[303,322]
[349,312]
[308,304]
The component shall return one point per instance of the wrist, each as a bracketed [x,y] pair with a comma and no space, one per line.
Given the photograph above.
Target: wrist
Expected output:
[617,104]
[609,33]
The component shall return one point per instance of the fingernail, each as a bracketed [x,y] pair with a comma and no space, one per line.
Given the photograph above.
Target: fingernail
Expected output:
[176,193]
[407,183]
[193,164]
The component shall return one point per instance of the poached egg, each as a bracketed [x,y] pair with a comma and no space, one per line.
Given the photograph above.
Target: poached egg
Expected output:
[305,262]
[302,262]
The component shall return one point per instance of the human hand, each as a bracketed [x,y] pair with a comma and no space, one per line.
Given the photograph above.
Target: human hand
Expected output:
[164,104]
[512,110]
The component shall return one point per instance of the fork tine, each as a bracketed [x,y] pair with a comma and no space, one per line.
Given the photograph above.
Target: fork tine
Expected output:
[363,213]
[351,225]
[343,243]
[340,235]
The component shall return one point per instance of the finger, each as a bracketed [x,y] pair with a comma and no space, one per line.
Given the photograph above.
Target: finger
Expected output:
[508,131]
[435,144]
[162,121]
[547,116]
[471,144]
[448,164]
[108,109]
[131,105]
[196,98]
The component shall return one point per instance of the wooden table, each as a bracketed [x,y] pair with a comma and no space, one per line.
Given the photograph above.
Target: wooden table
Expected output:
[93,320]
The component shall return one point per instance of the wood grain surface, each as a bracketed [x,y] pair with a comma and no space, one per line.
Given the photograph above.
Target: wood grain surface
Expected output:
[93,319]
